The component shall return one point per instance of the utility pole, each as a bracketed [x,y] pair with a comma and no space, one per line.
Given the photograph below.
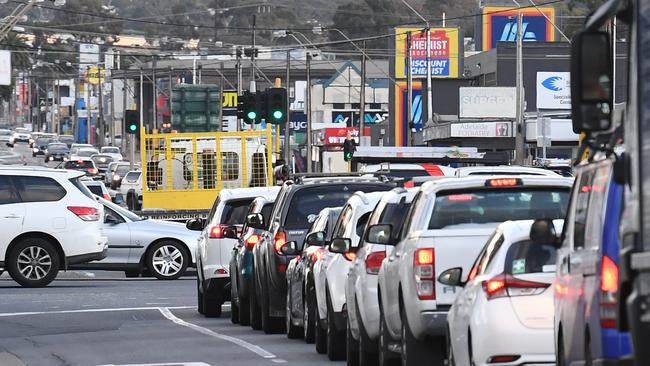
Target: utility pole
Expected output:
[253,50]
[124,89]
[75,115]
[154,92]
[29,101]
[88,107]
[362,100]
[409,90]
[287,124]
[520,150]
[221,97]
[101,123]
[239,83]
[141,100]
[111,127]
[308,108]
[429,91]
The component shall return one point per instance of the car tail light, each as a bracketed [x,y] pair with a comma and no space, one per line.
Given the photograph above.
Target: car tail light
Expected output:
[107,197]
[282,268]
[423,269]
[251,241]
[85,213]
[507,285]
[373,262]
[503,358]
[504,182]
[318,255]
[216,232]
[92,170]
[279,240]
[608,292]
[350,256]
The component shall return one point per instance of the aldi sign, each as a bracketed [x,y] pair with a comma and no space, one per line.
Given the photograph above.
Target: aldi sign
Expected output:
[499,24]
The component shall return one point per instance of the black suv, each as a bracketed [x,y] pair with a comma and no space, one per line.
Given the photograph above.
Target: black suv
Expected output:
[298,203]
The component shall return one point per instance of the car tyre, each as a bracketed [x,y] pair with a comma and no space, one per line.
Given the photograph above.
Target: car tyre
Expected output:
[255,311]
[234,313]
[335,338]
[270,325]
[351,348]
[368,355]
[167,260]
[320,338]
[199,296]
[33,262]
[386,356]
[561,360]
[309,322]
[244,311]
[132,273]
[293,332]
[416,352]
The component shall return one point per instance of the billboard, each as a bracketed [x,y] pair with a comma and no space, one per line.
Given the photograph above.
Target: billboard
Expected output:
[553,90]
[499,24]
[5,67]
[400,111]
[446,50]
[488,102]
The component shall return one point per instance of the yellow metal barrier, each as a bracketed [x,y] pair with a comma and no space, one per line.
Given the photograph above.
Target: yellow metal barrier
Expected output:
[186,171]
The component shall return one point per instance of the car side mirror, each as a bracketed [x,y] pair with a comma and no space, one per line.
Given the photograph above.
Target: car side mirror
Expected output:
[195,224]
[380,234]
[316,239]
[111,220]
[452,277]
[118,199]
[256,221]
[290,248]
[230,232]
[591,82]
[340,245]
[542,232]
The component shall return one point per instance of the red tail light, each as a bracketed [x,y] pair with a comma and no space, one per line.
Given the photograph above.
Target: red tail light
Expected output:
[507,285]
[85,213]
[279,240]
[503,359]
[317,255]
[373,262]
[92,170]
[107,197]
[608,292]
[424,271]
[216,232]
[251,241]
[350,256]
[504,182]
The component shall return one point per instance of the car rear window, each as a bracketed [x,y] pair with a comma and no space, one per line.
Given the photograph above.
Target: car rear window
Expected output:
[234,212]
[82,187]
[132,176]
[395,215]
[310,201]
[527,257]
[483,206]
[122,169]
[78,164]
[96,190]
[266,212]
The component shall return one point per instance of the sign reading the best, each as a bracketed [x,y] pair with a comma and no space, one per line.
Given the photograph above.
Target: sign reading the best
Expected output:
[444,52]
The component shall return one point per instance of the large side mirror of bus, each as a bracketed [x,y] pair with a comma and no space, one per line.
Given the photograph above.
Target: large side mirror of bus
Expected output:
[592,82]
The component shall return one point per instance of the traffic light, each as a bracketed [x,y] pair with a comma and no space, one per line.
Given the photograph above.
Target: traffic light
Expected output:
[247,108]
[349,147]
[277,105]
[132,121]
[260,105]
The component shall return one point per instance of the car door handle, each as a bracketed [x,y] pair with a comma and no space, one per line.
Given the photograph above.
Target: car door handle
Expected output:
[13,216]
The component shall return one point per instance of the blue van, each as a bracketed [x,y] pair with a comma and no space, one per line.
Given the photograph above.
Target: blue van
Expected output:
[587,286]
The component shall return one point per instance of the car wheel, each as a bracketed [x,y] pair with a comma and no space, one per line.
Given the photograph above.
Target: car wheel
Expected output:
[270,325]
[351,348]
[33,262]
[450,351]
[416,352]
[244,311]
[320,338]
[335,338]
[234,313]
[199,295]
[367,349]
[293,332]
[386,356]
[561,360]
[167,260]
[255,311]
[589,361]
[308,321]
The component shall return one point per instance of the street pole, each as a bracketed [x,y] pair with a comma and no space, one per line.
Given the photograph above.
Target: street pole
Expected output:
[111,127]
[101,123]
[362,100]
[253,50]
[409,90]
[287,124]
[141,99]
[29,101]
[520,151]
[88,106]
[308,102]
[221,97]
[124,89]
[154,92]
[429,91]
[75,116]
[58,106]
[239,84]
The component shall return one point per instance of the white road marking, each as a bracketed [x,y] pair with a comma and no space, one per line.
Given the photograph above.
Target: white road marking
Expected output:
[240,342]
[5,315]
[165,364]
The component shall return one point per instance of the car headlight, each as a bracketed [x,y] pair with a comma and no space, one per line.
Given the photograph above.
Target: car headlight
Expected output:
[116,177]
[35,150]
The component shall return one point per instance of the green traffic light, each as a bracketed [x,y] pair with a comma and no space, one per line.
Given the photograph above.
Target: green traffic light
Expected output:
[278,114]
[251,115]
[133,128]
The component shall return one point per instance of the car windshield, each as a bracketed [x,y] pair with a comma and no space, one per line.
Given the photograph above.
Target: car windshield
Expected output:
[121,170]
[66,139]
[101,159]
[22,130]
[44,142]
[527,257]
[128,214]
[57,147]
[110,150]
[310,201]
[78,164]
[483,206]
[86,153]
[234,212]
[5,132]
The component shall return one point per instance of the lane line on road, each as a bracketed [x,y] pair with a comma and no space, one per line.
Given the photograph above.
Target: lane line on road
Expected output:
[5,315]
[166,312]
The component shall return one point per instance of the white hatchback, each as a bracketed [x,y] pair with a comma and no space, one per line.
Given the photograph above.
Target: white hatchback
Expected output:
[504,315]
[49,221]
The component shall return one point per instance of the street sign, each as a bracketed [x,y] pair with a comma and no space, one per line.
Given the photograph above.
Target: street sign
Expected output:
[96,75]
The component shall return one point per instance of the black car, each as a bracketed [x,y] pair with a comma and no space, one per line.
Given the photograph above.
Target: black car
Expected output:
[67,139]
[56,151]
[298,202]
[40,145]
[301,311]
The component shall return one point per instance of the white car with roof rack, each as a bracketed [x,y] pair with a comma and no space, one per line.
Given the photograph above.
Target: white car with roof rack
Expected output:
[50,221]
[503,170]
[448,223]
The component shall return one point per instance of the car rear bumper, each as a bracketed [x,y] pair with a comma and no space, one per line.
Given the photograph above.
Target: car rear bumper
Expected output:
[435,323]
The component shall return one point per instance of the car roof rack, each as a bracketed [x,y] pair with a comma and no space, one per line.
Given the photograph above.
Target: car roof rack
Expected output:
[301,178]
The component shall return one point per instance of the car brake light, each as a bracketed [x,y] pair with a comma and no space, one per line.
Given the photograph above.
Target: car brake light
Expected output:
[251,241]
[423,270]
[107,197]
[504,182]
[507,285]
[85,213]
[350,256]
[279,240]
[460,197]
[216,232]
[608,292]
[503,358]
[318,255]
[92,170]
[373,262]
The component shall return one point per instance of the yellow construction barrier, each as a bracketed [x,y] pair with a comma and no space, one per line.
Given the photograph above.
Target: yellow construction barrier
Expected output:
[186,171]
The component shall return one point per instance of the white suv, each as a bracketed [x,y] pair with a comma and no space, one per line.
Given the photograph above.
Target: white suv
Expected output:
[447,225]
[49,221]
[219,234]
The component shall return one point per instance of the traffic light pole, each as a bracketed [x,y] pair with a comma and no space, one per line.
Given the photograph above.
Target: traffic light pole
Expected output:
[362,101]
[287,124]
[308,108]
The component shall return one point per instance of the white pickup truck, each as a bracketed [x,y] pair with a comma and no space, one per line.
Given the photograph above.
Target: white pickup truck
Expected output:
[447,226]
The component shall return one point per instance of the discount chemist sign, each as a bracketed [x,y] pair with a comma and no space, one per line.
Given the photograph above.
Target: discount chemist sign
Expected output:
[445,51]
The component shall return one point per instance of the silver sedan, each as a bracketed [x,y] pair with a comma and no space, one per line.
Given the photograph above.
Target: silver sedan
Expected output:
[135,245]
